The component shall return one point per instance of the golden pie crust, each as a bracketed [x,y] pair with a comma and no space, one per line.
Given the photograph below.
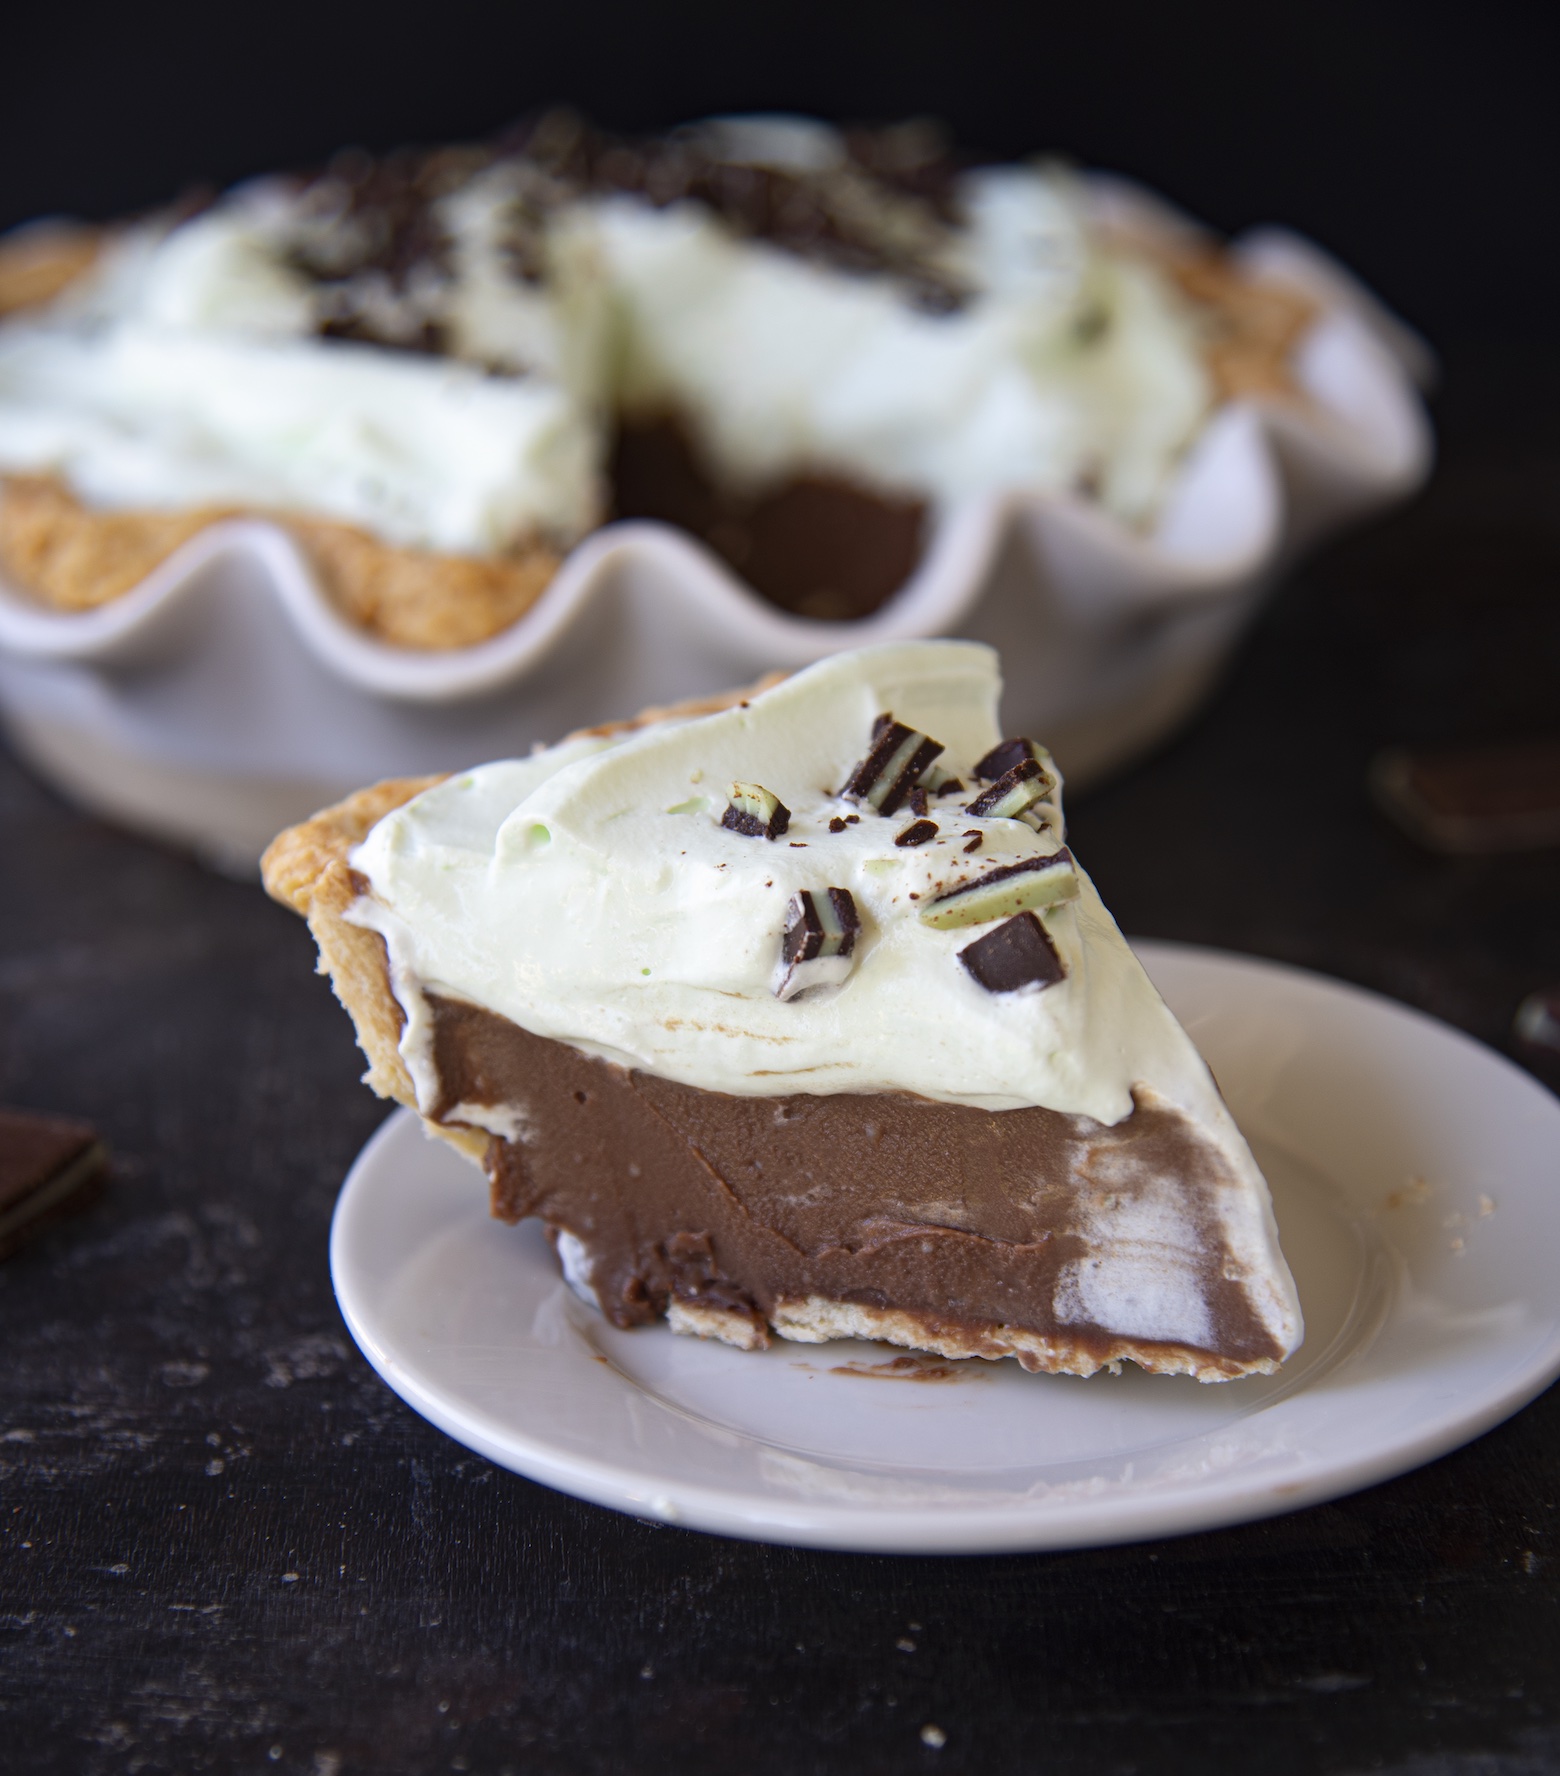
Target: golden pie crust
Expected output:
[74,557]
[38,262]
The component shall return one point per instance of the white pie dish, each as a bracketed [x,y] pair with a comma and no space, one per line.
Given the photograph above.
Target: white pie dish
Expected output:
[224,696]
[1417,1187]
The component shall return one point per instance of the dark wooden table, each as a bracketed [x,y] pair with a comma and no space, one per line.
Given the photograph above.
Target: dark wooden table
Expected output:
[224,1545]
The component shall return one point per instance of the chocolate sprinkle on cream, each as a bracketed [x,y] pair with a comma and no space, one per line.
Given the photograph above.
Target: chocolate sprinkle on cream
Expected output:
[917,833]
[1015,888]
[755,812]
[817,948]
[976,840]
[836,825]
[899,758]
[1016,955]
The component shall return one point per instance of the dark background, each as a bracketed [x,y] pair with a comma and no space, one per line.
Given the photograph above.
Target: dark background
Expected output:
[1421,142]
[224,1545]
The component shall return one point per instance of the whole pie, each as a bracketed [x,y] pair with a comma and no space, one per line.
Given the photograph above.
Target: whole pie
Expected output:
[796,1016]
[440,370]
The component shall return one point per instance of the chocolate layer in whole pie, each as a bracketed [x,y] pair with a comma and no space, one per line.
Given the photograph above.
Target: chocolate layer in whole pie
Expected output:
[818,545]
[969,1220]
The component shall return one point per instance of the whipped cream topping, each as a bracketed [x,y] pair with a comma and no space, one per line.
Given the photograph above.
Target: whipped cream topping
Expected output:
[193,365]
[424,452]
[188,372]
[1070,366]
[590,894]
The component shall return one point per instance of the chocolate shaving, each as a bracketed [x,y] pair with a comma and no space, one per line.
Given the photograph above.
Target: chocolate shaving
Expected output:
[886,206]
[836,825]
[976,840]
[917,833]
[918,799]
[899,758]
[1018,954]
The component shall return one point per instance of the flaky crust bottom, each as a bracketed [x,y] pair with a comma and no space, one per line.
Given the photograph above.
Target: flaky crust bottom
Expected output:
[817,1320]
[74,557]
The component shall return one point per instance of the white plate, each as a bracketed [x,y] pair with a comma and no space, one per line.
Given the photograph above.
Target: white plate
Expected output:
[1416,1176]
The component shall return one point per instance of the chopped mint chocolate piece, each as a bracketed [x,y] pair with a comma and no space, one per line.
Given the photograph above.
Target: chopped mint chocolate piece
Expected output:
[917,833]
[1018,794]
[817,947]
[1015,888]
[899,758]
[1016,955]
[940,782]
[1008,753]
[755,812]
[1002,758]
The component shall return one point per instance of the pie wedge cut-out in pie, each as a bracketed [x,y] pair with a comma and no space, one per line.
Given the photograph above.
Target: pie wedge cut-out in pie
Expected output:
[438,371]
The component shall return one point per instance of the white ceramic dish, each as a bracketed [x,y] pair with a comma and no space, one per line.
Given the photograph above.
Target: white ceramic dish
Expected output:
[224,697]
[1416,1178]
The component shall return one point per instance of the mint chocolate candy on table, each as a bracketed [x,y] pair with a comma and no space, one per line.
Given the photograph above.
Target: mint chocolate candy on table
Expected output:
[50,1166]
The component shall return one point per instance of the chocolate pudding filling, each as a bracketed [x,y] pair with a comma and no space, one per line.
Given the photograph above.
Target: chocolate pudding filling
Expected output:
[968,1226]
[820,546]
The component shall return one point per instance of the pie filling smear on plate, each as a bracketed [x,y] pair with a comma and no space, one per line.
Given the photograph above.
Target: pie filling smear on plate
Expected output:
[440,370]
[796,1016]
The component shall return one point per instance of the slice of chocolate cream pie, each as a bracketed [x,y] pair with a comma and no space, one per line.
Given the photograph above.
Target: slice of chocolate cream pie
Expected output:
[797,1016]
